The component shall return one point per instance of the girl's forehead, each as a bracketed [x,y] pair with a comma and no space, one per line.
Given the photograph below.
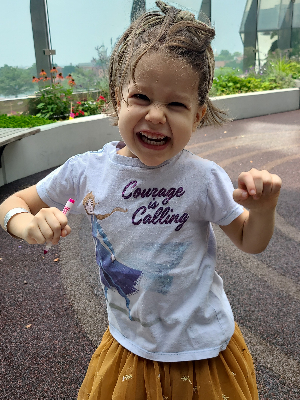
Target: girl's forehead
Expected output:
[161,61]
[161,68]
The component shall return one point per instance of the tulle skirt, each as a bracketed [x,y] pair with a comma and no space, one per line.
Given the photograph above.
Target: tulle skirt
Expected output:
[116,373]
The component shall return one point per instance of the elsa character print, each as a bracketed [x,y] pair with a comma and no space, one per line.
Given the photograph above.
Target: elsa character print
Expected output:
[113,274]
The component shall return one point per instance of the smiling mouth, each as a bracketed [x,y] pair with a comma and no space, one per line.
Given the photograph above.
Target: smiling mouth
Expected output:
[155,141]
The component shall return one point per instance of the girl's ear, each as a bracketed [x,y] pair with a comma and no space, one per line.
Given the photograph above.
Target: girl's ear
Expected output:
[199,116]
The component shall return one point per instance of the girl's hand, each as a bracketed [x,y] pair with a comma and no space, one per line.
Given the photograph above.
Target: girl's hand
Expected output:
[47,226]
[257,190]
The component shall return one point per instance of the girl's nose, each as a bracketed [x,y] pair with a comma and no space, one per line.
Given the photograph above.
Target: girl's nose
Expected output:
[156,114]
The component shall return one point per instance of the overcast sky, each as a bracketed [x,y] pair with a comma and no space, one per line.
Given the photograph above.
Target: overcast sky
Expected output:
[77,27]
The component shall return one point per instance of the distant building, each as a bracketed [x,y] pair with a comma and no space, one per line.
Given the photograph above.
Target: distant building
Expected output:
[220,64]
[268,25]
[86,66]
[92,67]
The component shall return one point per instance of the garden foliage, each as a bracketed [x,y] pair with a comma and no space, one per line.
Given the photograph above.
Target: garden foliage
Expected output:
[57,101]
[278,72]
[22,121]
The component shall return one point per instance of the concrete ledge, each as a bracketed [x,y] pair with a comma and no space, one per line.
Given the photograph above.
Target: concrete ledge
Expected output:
[256,104]
[55,143]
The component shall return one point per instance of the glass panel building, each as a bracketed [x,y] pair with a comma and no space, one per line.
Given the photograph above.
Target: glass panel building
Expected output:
[268,25]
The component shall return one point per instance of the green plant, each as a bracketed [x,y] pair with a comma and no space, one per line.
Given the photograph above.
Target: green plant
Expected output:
[227,71]
[232,84]
[278,70]
[52,102]
[280,65]
[85,108]
[57,101]
[278,73]
[22,121]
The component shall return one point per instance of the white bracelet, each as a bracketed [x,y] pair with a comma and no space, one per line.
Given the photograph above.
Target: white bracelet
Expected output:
[11,213]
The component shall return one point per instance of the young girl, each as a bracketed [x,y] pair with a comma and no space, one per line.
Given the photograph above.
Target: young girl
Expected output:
[171,331]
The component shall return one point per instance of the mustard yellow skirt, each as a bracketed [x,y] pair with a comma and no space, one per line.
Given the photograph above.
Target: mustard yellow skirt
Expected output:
[116,373]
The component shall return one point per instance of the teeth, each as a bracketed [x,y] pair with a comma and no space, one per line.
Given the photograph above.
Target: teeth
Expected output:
[153,141]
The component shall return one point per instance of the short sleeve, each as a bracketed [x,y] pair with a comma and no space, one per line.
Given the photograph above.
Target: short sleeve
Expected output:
[220,206]
[57,187]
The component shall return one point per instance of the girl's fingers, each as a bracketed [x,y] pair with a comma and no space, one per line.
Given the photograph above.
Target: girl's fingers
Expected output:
[57,222]
[240,195]
[276,184]
[261,178]
[66,231]
[47,226]
[247,182]
[258,183]
[35,237]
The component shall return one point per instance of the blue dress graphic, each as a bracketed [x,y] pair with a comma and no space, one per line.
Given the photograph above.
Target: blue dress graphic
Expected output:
[113,274]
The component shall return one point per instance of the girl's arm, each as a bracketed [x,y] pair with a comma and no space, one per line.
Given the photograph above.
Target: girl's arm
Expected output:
[258,191]
[42,224]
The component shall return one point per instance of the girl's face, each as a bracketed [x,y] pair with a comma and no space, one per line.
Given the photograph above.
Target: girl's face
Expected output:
[89,206]
[159,113]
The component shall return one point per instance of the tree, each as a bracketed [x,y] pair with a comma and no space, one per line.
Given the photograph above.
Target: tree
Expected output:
[103,60]
[86,79]
[225,55]
[68,69]
[15,81]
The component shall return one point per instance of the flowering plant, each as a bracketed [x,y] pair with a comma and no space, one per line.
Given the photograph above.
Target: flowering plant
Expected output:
[52,100]
[88,107]
[56,77]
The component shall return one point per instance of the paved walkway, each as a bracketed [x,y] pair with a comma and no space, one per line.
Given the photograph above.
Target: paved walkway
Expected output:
[52,308]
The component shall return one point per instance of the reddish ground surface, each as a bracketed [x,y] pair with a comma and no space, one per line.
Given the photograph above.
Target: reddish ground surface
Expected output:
[52,311]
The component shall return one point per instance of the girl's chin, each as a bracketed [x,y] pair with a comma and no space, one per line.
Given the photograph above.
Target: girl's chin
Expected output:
[146,153]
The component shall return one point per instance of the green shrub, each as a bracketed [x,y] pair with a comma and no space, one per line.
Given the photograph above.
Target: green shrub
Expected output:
[231,84]
[22,121]
[294,69]
[228,82]
[52,102]
[85,107]
[58,102]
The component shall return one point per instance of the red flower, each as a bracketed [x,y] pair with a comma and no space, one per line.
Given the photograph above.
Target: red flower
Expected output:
[101,98]
[81,112]
[59,76]
[43,73]
[34,79]
[78,102]
[76,115]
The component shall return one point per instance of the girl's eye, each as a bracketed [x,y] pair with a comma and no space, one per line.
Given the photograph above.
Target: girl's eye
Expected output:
[140,96]
[177,104]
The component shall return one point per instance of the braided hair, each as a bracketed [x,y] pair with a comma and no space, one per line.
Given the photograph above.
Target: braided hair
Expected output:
[179,34]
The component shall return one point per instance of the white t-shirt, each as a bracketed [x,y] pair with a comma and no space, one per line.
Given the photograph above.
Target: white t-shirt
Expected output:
[155,247]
